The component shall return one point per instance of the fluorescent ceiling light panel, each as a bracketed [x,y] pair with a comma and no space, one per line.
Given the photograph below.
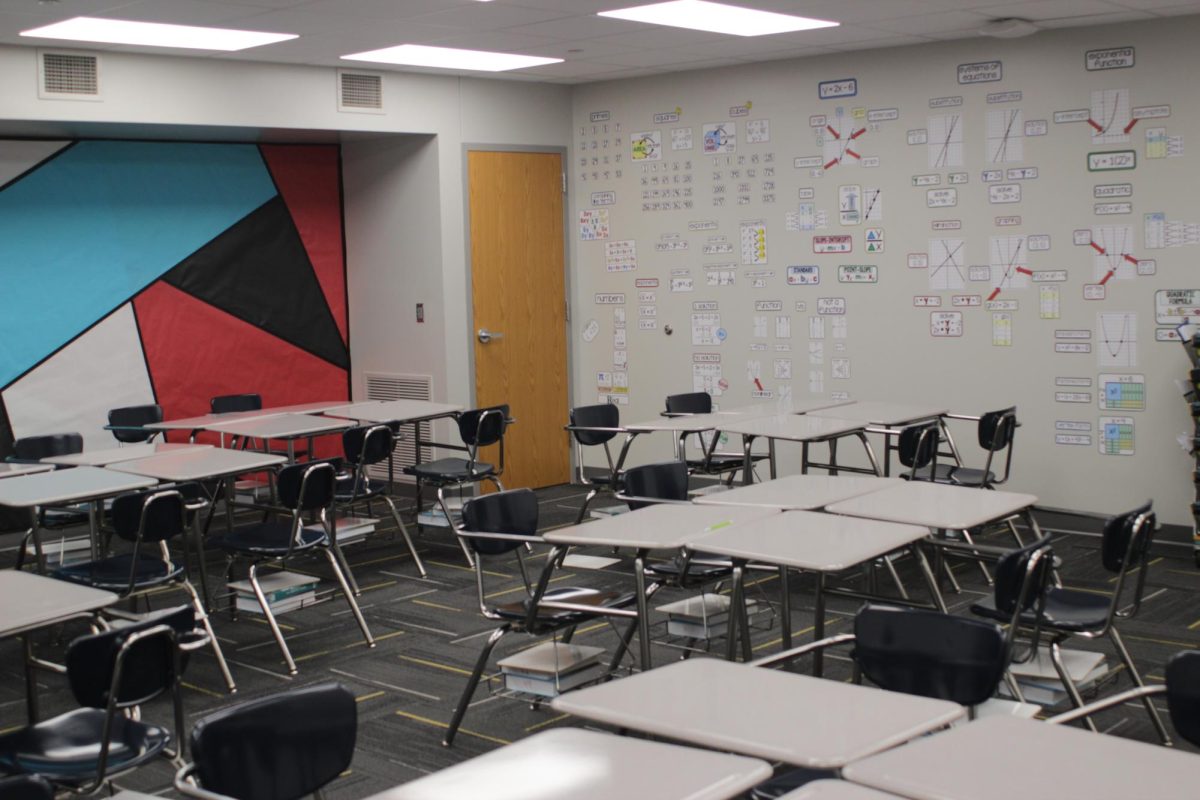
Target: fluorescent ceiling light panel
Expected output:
[155,34]
[701,15]
[417,55]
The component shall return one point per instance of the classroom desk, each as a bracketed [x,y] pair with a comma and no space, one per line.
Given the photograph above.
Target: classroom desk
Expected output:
[113,455]
[199,423]
[684,425]
[668,526]
[812,541]
[12,469]
[404,411]
[202,464]
[585,765]
[287,427]
[822,790]
[35,601]
[789,406]
[805,429]
[885,414]
[765,713]
[1001,758]
[797,492]
[65,487]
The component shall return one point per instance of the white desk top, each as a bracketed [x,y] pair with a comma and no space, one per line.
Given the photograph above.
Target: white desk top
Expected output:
[32,601]
[809,540]
[688,423]
[1001,758]
[793,427]
[934,505]
[661,527]
[778,716]
[574,764]
[823,790]
[67,486]
[882,412]
[798,492]
[394,410]
[280,426]
[204,420]
[112,455]
[194,465]
[8,470]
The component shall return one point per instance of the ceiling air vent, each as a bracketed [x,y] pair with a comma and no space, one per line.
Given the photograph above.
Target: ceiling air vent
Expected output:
[68,76]
[360,92]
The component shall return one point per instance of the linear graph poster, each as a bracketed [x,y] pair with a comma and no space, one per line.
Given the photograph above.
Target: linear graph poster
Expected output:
[974,224]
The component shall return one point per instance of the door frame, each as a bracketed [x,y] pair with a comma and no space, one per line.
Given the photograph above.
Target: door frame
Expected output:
[568,240]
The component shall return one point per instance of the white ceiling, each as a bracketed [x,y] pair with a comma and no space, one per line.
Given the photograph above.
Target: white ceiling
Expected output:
[595,48]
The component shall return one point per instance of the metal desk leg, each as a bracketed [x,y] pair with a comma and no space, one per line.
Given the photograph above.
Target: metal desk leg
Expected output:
[785,608]
[819,624]
[94,528]
[639,577]
[747,463]
[35,533]
[804,457]
[930,579]
[870,453]
[771,455]
[31,698]
[735,598]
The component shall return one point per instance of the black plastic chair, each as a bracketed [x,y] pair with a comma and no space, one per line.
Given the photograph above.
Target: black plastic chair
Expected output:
[1181,686]
[35,448]
[148,521]
[917,450]
[127,424]
[26,787]
[280,747]
[594,426]
[910,650]
[994,434]
[502,523]
[110,673]
[364,446]
[301,488]
[713,463]
[231,403]
[31,450]
[479,427]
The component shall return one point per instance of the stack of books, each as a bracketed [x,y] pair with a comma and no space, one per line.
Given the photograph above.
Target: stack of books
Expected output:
[285,591]
[703,617]
[550,668]
[350,529]
[433,515]
[1039,681]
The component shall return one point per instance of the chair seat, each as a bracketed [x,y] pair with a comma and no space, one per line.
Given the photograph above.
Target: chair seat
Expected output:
[268,539]
[66,749]
[969,476]
[113,573]
[702,567]
[345,491]
[450,470]
[788,781]
[566,594]
[722,462]
[942,474]
[1066,610]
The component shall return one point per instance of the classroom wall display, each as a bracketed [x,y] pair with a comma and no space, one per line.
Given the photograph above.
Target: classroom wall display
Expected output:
[168,272]
[979,224]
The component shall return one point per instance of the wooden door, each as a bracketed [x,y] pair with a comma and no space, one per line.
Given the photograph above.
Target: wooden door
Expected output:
[518,291]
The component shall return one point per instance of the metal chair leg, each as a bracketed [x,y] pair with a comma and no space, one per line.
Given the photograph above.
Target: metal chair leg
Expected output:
[469,690]
[987,576]
[202,615]
[337,573]
[583,509]
[266,609]
[891,568]
[1068,684]
[1119,645]
[404,532]
[441,496]
[622,647]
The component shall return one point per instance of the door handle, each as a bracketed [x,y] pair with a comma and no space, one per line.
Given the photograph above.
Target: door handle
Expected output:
[486,336]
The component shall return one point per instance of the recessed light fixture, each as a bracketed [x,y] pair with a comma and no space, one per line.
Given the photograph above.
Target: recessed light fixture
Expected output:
[702,15]
[155,34]
[417,55]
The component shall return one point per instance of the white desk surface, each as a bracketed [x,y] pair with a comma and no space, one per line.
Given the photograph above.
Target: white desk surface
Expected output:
[882,412]
[688,423]
[394,410]
[67,486]
[306,408]
[113,455]
[668,526]
[766,713]
[33,601]
[9,470]
[798,492]
[824,790]
[204,420]
[808,540]
[794,406]
[935,505]
[574,764]
[793,427]
[192,465]
[1001,758]
[280,426]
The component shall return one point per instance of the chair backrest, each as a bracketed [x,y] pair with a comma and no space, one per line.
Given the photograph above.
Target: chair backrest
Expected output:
[35,448]
[514,511]
[1183,694]
[148,667]
[481,427]
[367,444]
[1022,576]
[918,446]
[309,486]
[996,429]
[228,403]
[158,515]
[280,747]
[690,403]
[665,480]
[133,417]
[929,653]
[26,787]
[1126,539]
[603,415]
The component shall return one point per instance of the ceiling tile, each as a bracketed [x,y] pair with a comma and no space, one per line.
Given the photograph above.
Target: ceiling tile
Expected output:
[489,16]
[1049,9]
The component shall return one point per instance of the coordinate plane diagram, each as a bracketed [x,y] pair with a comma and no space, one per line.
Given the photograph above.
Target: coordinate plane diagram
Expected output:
[1113,246]
[946,264]
[1005,136]
[1009,264]
[1109,116]
[1116,332]
[840,141]
[945,141]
